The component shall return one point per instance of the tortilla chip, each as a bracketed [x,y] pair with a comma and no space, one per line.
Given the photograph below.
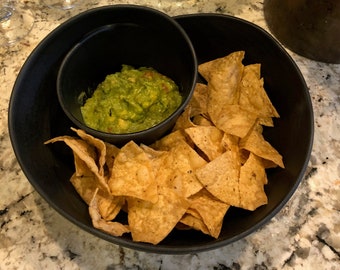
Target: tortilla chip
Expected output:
[113,228]
[193,212]
[221,177]
[208,139]
[184,120]
[133,175]
[217,69]
[235,120]
[108,205]
[253,96]
[151,152]
[111,153]
[223,76]
[200,120]
[152,222]
[83,150]
[86,178]
[211,210]
[178,169]
[87,153]
[85,186]
[252,180]
[268,164]
[196,107]
[193,222]
[230,142]
[266,121]
[255,143]
[82,169]
[254,70]
[198,102]
[157,159]
[167,142]
[98,144]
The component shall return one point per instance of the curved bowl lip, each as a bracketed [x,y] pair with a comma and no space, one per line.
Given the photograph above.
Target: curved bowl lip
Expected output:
[112,137]
[158,249]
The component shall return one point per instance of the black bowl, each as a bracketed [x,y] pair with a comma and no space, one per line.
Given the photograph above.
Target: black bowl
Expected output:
[35,116]
[137,36]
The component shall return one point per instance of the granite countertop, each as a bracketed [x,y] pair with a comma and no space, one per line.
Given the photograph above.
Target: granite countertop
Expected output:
[304,235]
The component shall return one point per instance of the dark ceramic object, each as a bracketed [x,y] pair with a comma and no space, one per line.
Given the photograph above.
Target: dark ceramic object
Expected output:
[35,116]
[309,28]
[137,36]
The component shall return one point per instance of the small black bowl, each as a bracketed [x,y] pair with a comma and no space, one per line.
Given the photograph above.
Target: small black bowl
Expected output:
[136,36]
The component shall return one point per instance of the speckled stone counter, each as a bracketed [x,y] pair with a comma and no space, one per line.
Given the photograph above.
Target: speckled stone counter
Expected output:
[304,235]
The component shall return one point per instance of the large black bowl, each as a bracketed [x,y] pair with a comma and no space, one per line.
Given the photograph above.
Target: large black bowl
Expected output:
[35,116]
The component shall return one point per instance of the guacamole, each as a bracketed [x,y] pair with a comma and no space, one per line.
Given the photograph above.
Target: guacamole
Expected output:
[131,100]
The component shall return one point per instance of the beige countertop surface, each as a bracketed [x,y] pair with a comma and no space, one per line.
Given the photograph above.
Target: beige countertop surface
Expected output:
[305,234]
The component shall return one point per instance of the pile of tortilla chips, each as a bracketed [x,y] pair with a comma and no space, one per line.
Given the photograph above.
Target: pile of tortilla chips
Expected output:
[214,158]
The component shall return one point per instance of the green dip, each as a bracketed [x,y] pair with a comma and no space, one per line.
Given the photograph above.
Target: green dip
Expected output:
[131,100]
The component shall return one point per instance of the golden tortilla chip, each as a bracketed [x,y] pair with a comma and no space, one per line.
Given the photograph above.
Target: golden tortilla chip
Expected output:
[151,152]
[255,143]
[208,139]
[133,175]
[230,142]
[111,153]
[193,222]
[178,169]
[266,121]
[254,69]
[167,142]
[235,120]
[253,96]
[200,120]
[85,186]
[211,211]
[221,177]
[220,66]
[82,169]
[244,155]
[268,164]
[87,153]
[196,107]
[152,222]
[184,120]
[81,148]
[193,212]
[98,144]
[113,228]
[198,102]
[157,159]
[108,205]
[252,180]
[223,76]
[87,179]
